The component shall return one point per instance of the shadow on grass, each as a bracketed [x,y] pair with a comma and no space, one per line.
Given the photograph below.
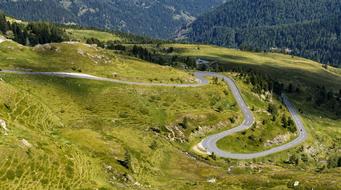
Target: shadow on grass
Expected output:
[297,76]
[74,87]
[235,58]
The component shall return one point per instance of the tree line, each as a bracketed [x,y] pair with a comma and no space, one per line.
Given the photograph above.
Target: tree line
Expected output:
[162,56]
[318,96]
[32,33]
[310,29]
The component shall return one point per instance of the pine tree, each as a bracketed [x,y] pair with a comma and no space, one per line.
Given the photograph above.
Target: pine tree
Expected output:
[284,122]
[3,23]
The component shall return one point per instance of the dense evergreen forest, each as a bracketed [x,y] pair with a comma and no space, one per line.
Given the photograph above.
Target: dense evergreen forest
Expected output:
[158,19]
[305,28]
[32,33]
[319,96]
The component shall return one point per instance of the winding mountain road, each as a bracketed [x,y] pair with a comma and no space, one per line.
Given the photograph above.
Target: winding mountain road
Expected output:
[209,143]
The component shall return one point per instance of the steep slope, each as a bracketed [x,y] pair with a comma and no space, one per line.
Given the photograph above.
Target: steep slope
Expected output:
[157,18]
[247,13]
[262,25]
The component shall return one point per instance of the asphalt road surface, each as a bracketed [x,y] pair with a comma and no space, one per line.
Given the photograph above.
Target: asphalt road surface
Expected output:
[209,143]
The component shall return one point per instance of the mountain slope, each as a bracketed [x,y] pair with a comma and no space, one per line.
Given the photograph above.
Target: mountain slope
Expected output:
[69,133]
[306,27]
[157,18]
[247,13]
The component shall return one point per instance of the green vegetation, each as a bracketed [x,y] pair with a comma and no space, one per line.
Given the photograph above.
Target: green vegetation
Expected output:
[78,57]
[12,20]
[336,71]
[31,33]
[310,29]
[82,134]
[130,130]
[84,34]
[305,71]
[103,142]
[268,130]
[159,20]
[306,83]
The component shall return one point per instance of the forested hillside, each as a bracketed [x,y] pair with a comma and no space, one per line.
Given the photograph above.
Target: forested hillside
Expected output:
[305,28]
[31,33]
[157,18]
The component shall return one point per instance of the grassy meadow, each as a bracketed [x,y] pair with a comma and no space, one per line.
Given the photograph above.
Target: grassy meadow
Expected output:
[284,67]
[84,34]
[79,57]
[120,135]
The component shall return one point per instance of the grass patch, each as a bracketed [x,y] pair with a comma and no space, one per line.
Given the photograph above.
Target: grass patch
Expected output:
[83,35]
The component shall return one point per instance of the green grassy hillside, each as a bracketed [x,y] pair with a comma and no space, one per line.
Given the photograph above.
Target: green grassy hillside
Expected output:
[285,67]
[81,134]
[109,139]
[79,57]
[83,35]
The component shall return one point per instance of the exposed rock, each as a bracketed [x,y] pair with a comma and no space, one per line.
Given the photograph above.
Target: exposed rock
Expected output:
[26,143]
[129,178]
[296,183]
[212,180]
[2,39]
[108,168]
[80,52]
[202,130]
[4,126]
[316,150]
[229,170]
[280,139]
[137,184]
[66,3]
[176,134]
[45,47]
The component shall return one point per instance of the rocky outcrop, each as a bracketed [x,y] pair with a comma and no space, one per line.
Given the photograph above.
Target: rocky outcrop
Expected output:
[4,126]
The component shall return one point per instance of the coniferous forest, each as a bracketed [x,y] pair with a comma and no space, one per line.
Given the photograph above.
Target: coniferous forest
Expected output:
[305,28]
[33,33]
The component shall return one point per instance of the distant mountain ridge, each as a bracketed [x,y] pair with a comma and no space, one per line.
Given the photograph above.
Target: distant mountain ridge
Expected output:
[309,28]
[155,18]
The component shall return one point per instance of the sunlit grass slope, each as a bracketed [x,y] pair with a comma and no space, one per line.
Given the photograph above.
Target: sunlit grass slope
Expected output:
[80,131]
[79,57]
[83,34]
[79,134]
[285,67]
